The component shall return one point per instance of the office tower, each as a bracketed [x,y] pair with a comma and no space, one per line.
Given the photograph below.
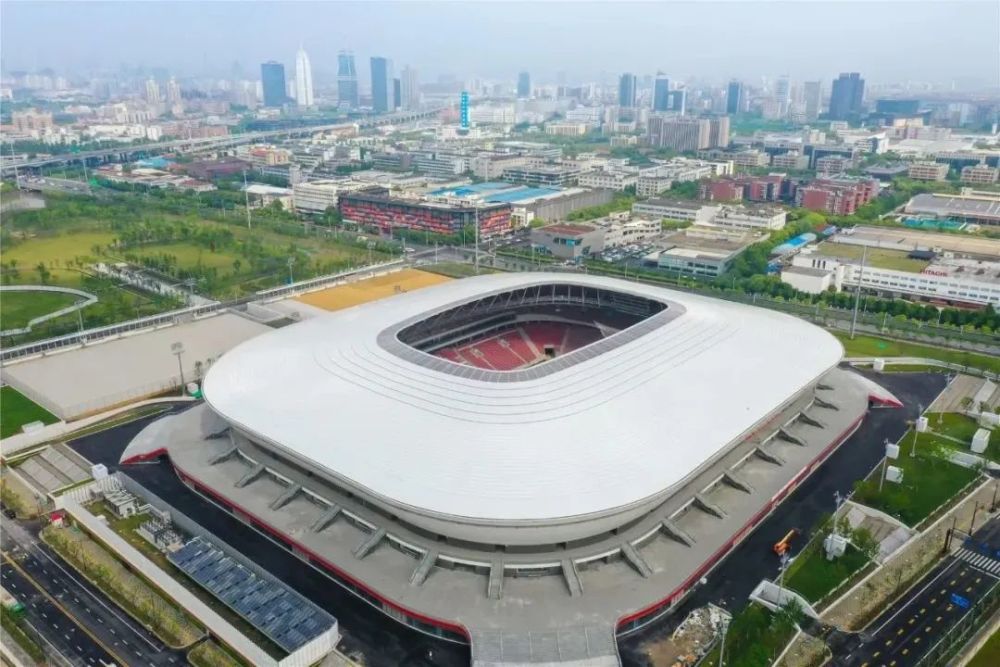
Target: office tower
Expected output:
[782,94]
[347,79]
[846,96]
[303,79]
[396,93]
[661,92]
[735,102]
[524,85]
[681,134]
[463,110]
[718,132]
[272,78]
[626,91]
[409,89]
[152,91]
[383,90]
[173,92]
[677,101]
[812,95]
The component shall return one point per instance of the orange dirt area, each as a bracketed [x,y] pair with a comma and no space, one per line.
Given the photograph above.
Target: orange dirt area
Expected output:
[371,289]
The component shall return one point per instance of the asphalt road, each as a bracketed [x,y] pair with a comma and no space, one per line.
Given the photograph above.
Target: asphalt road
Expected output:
[384,642]
[112,627]
[64,641]
[730,584]
[911,626]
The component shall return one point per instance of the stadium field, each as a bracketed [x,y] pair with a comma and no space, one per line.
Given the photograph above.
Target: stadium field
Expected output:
[372,289]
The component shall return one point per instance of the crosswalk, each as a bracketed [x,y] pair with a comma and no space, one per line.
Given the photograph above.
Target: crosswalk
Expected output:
[985,563]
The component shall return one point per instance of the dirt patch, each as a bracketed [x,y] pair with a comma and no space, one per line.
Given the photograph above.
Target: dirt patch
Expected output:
[372,289]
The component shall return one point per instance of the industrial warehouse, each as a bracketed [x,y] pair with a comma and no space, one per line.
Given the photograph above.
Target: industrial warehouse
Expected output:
[416,450]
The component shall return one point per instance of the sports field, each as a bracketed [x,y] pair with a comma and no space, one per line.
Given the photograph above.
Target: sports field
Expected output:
[372,289]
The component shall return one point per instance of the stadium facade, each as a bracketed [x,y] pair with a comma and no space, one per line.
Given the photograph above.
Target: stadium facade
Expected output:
[530,463]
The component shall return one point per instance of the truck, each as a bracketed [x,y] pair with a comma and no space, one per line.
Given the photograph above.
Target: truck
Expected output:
[11,603]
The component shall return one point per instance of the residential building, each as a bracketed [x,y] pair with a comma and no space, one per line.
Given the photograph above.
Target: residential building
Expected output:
[833,164]
[347,80]
[979,174]
[303,79]
[928,171]
[383,91]
[679,134]
[627,91]
[409,89]
[32,122]
[841,195]
[272,76]
[673,209]
[718,131]
[812,98]
[846,96]
[152,92]
[173,93]
[790,160]
[661,92]
[523,85]
[264,156]
[735,102]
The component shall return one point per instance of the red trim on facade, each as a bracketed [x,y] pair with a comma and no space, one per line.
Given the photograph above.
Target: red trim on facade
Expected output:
[142,458]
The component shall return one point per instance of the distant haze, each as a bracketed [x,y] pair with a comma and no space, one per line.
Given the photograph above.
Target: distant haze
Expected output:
[886,41]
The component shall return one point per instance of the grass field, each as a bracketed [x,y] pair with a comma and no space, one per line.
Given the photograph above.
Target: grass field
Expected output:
[989,654]
[18,308]
[815,576]
[876,257]
[872,346]
[16,411]
[190,255]
[372,289]
[928,481]
[55,252]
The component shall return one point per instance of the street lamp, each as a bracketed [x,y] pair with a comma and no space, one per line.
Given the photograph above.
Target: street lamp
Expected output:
[291,263]
[177,349]
[722,647]
[913,447]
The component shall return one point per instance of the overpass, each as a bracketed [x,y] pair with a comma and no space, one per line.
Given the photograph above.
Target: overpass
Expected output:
[212,143]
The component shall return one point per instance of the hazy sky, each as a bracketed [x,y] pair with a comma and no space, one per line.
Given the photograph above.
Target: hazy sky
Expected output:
[886,41]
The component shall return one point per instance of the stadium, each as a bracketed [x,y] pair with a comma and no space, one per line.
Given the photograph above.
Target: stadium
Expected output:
[533,464]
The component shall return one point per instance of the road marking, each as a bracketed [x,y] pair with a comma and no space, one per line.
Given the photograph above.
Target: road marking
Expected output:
[876,654]
[888,642]
[949,607]
[911,621]
[900,632]
[916,640]
[938,619]
[927,629]
[934,600]
[923,611]
[916,596]
[950,583]
[905,651]
[969,589]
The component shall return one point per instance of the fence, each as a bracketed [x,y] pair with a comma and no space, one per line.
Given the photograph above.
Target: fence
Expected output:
[173,317]
[87,299]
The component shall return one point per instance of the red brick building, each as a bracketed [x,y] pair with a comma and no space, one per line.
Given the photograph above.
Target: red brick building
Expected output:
[840,196]
[376,208]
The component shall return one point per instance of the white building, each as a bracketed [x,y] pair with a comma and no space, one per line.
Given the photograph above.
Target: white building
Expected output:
[303,79]
[315,197]
[750,217]
[686,211]
[492,115]
[608,180]
[409,89]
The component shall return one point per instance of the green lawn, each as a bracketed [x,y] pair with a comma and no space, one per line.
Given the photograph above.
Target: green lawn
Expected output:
[928,481]
[989,654]
[756,636]
[190,255]
[953,424]
[871,346]
[815,576]
[16,411]
[56,252]
[18,308]
[876,257]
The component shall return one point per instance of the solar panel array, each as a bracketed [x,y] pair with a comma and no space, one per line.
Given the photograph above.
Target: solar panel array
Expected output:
[285,617]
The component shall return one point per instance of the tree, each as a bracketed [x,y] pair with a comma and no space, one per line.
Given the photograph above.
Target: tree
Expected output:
[43,273]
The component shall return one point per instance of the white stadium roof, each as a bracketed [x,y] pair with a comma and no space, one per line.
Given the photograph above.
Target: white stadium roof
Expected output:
[605,433]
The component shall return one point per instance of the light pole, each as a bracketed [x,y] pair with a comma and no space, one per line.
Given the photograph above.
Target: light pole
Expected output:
[177,349]
[913,447]
[722,647]
[291,263]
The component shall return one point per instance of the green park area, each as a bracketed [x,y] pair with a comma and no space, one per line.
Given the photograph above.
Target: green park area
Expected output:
[814,577]
[872,346]
[16,410]
[929,480]
[876,257]
[756,637]
[19,308]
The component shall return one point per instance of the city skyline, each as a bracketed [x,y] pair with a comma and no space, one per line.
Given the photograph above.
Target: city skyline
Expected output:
[268,31]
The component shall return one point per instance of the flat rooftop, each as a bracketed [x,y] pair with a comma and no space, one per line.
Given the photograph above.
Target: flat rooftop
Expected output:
[914,239]
[569,230]
[945,205]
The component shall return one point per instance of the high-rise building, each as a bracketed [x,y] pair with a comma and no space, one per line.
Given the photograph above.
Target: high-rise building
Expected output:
[303,79]
[409,89]
[679,134]
[735,102]
[463,110]
[152,91]
[523,85]
[812,95]
[383,90]
[626,91]
[677,101]
[661,92]
[173,92]
[272,78]
[718,132]
[347,79]
[846,96]
[782,94]
[396,93]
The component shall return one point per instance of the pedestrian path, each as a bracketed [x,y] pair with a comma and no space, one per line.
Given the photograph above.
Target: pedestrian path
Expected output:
[980,561]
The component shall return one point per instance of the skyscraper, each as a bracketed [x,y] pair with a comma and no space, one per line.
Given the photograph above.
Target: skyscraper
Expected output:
[383,90]
[409,89]
[677,101]
[523,85]
[303,79]
[152,91]
[846,95]
[347,79]
[782,94]
[661,92]
[734,97]
[626,91]
[397,93]
[272,78]
[812,95]
[173,92]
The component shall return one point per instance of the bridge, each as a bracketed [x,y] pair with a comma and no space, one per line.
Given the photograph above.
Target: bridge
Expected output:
[211,143]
